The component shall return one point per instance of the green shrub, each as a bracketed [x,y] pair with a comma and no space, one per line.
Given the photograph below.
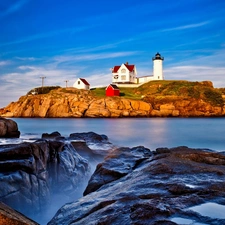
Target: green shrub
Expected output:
[214,97]
[42,90]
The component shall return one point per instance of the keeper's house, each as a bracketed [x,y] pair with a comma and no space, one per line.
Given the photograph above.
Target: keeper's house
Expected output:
[124,74]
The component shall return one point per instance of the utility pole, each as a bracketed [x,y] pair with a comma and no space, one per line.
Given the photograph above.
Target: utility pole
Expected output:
[66,82]
[42,83]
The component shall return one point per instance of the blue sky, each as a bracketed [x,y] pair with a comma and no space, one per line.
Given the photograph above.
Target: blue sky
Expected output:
[67,39]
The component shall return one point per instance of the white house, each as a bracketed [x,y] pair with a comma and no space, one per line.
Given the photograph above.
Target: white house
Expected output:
[81,83]
[124,74]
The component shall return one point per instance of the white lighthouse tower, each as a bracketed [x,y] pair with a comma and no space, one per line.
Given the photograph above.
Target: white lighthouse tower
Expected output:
[158,67]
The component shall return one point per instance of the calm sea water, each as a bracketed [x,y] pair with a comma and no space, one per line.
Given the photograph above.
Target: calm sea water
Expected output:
[149,132]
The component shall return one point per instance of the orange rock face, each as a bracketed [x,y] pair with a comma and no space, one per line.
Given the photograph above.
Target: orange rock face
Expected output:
[63,104]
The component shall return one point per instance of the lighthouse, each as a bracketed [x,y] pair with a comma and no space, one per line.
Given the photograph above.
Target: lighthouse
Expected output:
[158,67]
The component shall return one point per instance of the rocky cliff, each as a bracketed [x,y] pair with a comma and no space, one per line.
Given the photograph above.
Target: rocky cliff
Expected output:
[171,100]
[73,103]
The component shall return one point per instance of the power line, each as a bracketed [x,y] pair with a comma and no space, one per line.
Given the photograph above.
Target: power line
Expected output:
[42,83]
[66,82]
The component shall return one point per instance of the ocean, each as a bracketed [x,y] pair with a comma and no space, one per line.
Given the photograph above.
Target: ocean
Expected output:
[208,133]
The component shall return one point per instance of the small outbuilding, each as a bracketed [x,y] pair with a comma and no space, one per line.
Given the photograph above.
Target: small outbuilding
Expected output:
[112,90]
[81,83]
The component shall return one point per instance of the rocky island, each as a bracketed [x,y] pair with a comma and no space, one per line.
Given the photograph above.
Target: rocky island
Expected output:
[152,99]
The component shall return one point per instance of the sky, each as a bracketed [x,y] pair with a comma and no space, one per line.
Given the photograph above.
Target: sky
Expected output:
[63,40]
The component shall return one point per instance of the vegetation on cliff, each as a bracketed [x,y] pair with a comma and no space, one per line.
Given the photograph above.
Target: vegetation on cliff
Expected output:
[165,89]
[42,90]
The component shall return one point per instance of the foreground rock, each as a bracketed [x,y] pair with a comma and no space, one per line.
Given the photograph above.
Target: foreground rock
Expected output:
[32,172]
[8,128]
[34,176]
[8,216]
[137,186]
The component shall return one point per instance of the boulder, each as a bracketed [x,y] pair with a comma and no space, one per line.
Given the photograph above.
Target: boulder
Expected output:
[52,135]
[117,164]
[8,128]
[32,173]
[90,137]
[95,144]
[136,186]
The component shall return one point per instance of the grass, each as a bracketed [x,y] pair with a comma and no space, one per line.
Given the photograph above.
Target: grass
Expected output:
[124,92]
[171,89]
[99,92]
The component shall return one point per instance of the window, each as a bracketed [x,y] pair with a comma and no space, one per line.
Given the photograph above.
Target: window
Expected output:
[123,77]
[78,82]
[123,71]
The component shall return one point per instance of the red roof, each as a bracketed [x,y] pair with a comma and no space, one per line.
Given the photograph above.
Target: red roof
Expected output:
[129,67]
[115,69]
[84,81]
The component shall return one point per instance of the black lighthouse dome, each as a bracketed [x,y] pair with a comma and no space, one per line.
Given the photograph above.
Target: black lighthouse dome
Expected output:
[157,56]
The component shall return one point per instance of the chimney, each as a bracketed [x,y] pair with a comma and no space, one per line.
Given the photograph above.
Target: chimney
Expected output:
[126,63]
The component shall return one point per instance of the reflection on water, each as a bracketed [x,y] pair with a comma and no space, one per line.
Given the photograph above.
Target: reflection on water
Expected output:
[190,185]
[210,209]
[149,132]
[183,221]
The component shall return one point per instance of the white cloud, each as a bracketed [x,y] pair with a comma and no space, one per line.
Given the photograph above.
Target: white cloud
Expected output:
[88,57]
[4,63]
[99,79]
[18,83]
[189,26]
[197,73]
[26,58]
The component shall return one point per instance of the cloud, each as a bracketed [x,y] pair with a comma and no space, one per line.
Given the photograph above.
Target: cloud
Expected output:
[89,57]
[4,63]
[189,26]
[26,58]
[99,79]
[14,7]
[197,73]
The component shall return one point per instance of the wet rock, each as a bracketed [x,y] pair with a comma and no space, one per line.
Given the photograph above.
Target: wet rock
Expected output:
[89,137]
[8,128]
[83,150]
[136,186]
[32,172]
[96,144]
[113,169]
[53,135]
